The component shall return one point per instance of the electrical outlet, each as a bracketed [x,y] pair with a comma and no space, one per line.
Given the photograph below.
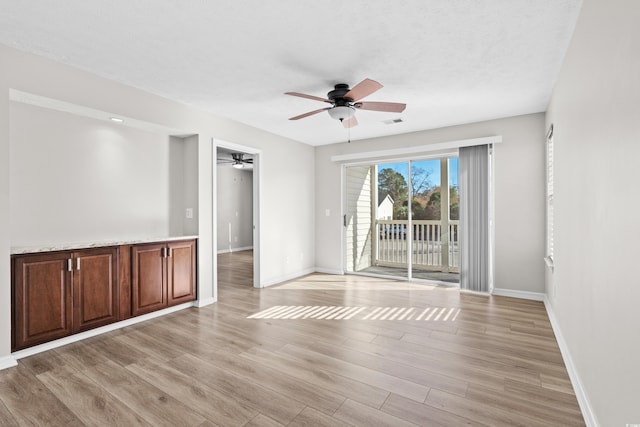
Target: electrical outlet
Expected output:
[189,213]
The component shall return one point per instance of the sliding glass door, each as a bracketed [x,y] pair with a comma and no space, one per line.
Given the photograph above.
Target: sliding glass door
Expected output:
[434,220]
[402,219]
[391,220]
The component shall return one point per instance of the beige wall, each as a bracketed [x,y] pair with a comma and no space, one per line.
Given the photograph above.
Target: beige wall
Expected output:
[45,78]
[594,290]
[519,195]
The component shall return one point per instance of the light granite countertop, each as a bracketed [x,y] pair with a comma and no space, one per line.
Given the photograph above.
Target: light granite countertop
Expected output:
[18,250]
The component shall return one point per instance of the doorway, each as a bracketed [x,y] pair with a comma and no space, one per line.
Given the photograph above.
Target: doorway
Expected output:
[402,219]
[237,213]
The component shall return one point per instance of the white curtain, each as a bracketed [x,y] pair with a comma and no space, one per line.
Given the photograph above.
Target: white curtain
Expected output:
[475,245]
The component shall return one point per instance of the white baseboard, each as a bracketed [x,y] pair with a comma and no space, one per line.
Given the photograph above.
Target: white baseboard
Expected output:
[205,302]
[329,271]
[581,395]
[291,276]
[8,362]
[230,250]
[534,296]
[93,332]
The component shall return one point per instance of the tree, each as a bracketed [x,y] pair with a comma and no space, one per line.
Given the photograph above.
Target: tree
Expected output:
[454,203]
[432,210]
[420,182]
[394,184]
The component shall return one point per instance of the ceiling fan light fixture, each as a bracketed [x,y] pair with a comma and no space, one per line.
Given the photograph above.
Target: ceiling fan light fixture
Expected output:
[342,112]
[238,165]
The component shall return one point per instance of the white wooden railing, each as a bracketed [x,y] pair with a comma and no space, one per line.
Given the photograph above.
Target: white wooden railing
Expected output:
[431,248]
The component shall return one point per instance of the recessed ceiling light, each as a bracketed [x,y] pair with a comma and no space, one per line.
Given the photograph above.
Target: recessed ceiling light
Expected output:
[116,119]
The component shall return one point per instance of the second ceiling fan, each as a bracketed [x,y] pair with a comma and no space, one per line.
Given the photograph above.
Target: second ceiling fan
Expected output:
[345,101]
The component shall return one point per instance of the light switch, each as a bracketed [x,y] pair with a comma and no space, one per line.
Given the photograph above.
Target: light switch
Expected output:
[327,212]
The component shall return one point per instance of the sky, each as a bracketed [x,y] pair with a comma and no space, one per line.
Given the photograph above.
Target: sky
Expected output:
[431,166]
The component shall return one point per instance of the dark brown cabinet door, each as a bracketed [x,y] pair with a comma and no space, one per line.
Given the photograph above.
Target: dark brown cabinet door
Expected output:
[148,278]
[42,298]
[95,288]
[181,270]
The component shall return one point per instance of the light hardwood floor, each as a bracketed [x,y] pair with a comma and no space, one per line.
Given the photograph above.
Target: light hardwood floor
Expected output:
[319,351]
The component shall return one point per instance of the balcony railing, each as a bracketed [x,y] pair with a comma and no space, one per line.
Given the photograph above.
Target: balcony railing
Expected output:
[432,248]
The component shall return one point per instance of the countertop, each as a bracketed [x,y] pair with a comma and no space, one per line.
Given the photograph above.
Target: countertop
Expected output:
[18,250]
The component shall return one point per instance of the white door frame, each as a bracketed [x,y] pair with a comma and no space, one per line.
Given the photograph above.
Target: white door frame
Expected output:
[257,184]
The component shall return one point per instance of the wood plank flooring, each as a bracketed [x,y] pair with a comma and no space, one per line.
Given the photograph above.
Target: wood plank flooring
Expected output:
[318,351]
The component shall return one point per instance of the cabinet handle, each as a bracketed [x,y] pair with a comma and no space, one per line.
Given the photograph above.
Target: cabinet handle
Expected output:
[77,263]
[170,252]
[69,264]
[164,252]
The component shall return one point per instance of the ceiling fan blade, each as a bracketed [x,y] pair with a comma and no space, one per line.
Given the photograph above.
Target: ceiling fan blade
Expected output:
[349,123]
[310,113]
[362,89]
[303,95]
[392,107]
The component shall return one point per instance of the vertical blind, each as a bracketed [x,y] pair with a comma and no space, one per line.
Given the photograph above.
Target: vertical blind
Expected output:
[475,244]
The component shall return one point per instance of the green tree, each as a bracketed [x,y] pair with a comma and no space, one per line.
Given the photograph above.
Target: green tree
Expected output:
[394,184]
[432,210]
[454,203]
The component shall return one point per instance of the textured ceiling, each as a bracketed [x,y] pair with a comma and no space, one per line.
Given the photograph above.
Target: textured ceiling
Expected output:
[450,61]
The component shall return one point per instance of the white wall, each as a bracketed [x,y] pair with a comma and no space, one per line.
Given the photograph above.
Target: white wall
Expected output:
[594,290]
[78,179]
[519,195]
[285,166]
[190,188]
[183,185]
[5,227]
[287,223]
[235,208]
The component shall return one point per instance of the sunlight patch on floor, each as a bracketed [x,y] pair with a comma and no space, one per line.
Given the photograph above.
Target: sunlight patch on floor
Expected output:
[434,314]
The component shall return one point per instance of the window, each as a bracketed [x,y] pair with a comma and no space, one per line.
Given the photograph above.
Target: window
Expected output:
[549,201]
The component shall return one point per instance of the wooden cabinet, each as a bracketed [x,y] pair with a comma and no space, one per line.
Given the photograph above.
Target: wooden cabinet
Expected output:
[42,299]
[162,275]
[95,288]
[57,294]
[181,272]
[148,274]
